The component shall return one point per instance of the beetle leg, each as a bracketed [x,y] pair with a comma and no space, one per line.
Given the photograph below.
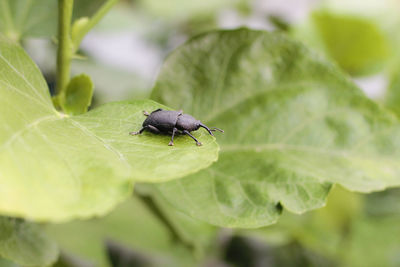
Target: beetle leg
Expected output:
[147,127]
[171,143]
[194,138]
[208,129]
[139,132]
[145,113]
[153,129]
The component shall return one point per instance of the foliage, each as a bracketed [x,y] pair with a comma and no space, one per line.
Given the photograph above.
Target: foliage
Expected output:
[342,231]
[25,243]
[78,95]
[392,97]
[36,18]
[356,44]
[90,161]
[131,225]
[296,126]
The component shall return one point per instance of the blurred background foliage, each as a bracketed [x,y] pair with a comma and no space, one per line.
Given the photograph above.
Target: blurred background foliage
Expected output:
[123,55]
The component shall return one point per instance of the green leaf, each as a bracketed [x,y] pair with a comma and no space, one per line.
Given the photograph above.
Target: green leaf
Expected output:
[132,225]
[78,27]
[129,85]
[78,95]
[55,167]
[87,8]
[327,230]
[342,232]
[6,263]
[194,234]
[25,243]
[37,18]
[180,9]
[358,45]
[20,18]
[392,97]
[294,125]
[377,236]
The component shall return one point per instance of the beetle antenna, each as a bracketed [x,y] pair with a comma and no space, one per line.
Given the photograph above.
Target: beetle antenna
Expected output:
[216,129]
[205,127]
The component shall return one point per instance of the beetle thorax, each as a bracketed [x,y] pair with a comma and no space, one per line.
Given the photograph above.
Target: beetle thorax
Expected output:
[187,122]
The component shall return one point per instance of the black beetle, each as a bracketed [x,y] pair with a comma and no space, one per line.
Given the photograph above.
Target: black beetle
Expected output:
[172,122]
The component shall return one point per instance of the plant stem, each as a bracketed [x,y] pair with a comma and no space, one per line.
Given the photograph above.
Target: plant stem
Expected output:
[64,53]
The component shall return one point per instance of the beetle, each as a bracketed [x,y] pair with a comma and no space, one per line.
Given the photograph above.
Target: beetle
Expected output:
[173,122]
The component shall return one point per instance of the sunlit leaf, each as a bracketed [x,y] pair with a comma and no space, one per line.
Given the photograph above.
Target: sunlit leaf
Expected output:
[294,125]
[55,167]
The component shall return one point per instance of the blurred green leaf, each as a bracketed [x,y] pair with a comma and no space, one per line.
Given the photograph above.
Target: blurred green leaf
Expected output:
[132,225]
[294,125]
[6,263]
[184,228]
[386,203]
[357,44]
[245,251]
[78,95]
[181,9]
[392,97]
[326,230]
[55,167]
[129,85]
[77,31]
[374,242]
[37,18]
[21,18]
[342,231]
[86,8]
[25,243]
[68,260]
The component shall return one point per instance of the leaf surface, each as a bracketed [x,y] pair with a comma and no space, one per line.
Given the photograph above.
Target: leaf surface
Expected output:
[357,44]
[37,18]
[392,96]
[294,125]
[25,243]
[21,18]
[78,95]
[133,226]
[56,167]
